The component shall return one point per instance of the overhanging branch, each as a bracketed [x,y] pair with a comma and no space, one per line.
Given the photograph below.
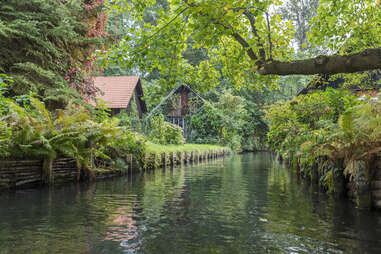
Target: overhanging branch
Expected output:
[250,52]
[260,45]
[247,47]
[369,59]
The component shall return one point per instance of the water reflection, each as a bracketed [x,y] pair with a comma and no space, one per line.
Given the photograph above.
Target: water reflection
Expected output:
[244,204]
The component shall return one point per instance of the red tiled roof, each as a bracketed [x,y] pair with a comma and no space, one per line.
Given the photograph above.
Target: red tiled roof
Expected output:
[117,90]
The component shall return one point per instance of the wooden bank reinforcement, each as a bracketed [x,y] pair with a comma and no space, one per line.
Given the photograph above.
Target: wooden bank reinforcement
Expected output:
[17,174]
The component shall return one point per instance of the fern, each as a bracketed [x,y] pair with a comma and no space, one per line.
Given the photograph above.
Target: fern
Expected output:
[331,127]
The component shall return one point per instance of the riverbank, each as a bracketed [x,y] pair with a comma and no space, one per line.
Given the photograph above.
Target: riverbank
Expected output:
[233,205]
[155,148]
[157,156]
[332,137]
[16,174]
[363,186]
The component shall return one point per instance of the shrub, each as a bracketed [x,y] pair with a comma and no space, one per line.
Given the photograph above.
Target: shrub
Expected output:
[165,133]
[325,130]
[292,122]
[38,133]
[127,142]
[5,131]
[47,47]
[221,123]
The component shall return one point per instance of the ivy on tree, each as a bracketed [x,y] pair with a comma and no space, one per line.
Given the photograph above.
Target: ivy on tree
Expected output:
[47,46]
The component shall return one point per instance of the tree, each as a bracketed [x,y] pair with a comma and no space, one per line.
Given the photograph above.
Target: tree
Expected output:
[46,46]
[221,122]
[301,13]
[248,40]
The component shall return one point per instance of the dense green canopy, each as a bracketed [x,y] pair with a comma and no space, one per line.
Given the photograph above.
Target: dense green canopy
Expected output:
[46,46]
[246,40]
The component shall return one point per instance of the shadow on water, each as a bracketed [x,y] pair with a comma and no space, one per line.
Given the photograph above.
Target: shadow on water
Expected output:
[243,204]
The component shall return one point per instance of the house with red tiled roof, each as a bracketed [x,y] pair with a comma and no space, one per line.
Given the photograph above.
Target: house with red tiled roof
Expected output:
[119,92]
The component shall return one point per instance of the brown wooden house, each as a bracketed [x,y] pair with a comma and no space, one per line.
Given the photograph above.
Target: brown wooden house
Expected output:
[181,108]
[117,92]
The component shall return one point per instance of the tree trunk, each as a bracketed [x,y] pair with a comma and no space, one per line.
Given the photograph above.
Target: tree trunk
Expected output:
[369,59]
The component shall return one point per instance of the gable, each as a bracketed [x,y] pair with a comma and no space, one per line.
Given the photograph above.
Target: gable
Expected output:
[116,91]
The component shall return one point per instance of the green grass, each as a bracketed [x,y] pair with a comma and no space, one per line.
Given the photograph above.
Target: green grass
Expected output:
[155,148]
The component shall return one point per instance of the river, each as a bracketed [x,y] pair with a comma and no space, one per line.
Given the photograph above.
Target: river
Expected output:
[241,204]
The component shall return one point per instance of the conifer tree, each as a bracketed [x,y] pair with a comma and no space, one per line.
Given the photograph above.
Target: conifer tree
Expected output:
[46,46]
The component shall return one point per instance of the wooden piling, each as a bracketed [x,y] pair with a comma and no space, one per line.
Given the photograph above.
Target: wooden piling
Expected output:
[14,174]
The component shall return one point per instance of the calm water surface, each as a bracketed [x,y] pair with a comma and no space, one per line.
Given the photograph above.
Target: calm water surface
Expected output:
[243,204]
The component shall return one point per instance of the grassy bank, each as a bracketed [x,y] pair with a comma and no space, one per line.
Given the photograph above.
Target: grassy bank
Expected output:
[161,155]
[155,148]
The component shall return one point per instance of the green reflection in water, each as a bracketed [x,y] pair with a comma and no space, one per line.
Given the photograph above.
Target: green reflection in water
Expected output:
[243,204]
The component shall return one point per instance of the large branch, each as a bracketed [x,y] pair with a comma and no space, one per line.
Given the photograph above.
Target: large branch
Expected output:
[260,45]
[250,52]
[247,47]
[369,59]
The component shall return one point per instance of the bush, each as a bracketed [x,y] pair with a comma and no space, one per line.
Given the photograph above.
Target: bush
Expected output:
[327,131]
[5,131]
[127,142]
[165,133]
[38,133]
[292,122]
[221,123]
[5,136]
[47,47]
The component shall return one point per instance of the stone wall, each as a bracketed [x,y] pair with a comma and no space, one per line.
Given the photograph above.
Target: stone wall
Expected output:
[364,188]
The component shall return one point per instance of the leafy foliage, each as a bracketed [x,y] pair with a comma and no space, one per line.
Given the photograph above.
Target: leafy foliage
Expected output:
[5,132]
[358,18]
[220,123]
[37,133]
[358,138]
[47,47]
[294,118]
[326,131]
[238,40]
[165,133]
[180,28]
[231,118]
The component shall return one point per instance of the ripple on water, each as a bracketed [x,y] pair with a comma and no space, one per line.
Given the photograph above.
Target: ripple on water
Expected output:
[250,205]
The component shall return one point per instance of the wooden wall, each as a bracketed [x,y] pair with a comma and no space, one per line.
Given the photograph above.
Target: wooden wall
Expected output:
[30,173]
[14,174]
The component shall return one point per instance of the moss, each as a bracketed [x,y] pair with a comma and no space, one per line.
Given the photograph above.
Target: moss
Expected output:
[182,153]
